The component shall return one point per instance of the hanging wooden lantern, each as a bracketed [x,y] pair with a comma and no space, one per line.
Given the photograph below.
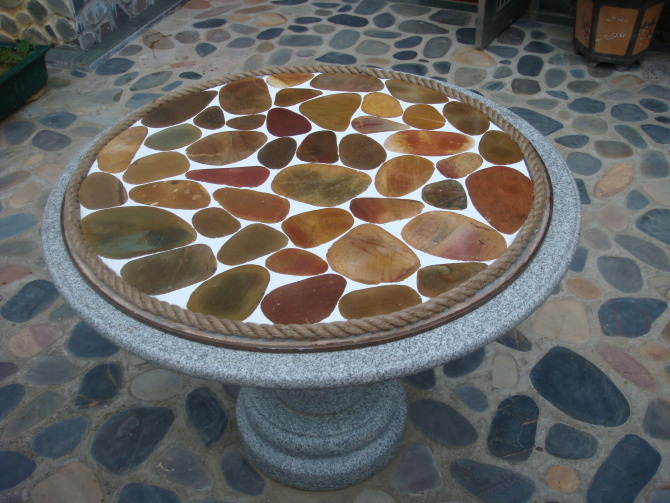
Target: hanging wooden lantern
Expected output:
[615,31]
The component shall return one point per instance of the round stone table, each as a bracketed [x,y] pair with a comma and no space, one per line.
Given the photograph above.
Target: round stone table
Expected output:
[327,420]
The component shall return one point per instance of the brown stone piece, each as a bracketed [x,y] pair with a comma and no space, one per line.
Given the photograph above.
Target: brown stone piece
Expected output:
[290,97]
[436,279]
[617,179]
[308,301]
[284,80]
[381,105]
[116,156]
[561,478]
[278,153]
[178,110]
[320,184]
[73,483]
[404,174]
[296,262]
[101,190]
[361,152]
[171,270]
[379,210]
[502,195]
[245,97]
[347,82]
[173,137]
[247,122]
[378,300]
[29,341]
[460,165]
[423,117]
[333,111]
[233,294]
[320,146]
[284,122]
[210,118]
[414,93]
[314,228]
[446,195]
[370,255]
[215,223]
[176,194]
[227,147]
[154,167]
[627,367]
[465,118]
[428,143]
[453,236]
[253,205]
[367,124]
[250,243]
[243,176]
[499,148]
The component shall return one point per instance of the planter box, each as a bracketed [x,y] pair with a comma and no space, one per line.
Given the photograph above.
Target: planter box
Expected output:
[24,81]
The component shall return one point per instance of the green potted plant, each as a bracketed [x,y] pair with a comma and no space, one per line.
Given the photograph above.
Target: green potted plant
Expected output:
[23,74]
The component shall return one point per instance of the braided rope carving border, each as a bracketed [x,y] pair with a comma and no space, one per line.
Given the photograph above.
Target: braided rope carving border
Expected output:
[152,308]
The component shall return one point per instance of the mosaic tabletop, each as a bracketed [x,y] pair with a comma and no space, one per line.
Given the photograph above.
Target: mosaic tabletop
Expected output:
[300,198]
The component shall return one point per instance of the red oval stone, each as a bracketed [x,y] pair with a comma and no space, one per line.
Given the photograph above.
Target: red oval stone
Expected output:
[248,176]
[296,263]
[284,122]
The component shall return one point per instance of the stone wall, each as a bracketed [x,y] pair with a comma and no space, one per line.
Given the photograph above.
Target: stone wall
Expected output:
[78,22]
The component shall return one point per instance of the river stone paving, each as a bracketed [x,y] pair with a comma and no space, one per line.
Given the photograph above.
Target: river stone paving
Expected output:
[570,406]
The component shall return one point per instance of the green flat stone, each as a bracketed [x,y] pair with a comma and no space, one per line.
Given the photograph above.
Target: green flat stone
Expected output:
[173,138]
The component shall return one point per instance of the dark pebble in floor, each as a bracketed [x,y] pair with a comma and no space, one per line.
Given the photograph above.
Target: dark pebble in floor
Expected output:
[442,423]
[473,397]
[656,421]
[32,299]
[207,416]
[51,141]
[87,343]
[146,493]
[656,223]
[542,123]
[114,66]
[239,474]
[586,106]
[620,272]
[659,134]
[61,438]
[422,380]
[566,442]
[16,469]
[492,484]
[415,470]
[583,164]
[629,317]
[573,141]
[10,396]
[577,387]
[18,131]
[99,386]
[645,251]
[512,433]
[465,364]
[636,200]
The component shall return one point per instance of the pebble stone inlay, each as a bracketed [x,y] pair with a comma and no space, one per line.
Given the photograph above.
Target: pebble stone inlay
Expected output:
[606,459]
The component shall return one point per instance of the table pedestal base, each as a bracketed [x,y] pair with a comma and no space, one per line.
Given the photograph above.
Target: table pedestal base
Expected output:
[322,439]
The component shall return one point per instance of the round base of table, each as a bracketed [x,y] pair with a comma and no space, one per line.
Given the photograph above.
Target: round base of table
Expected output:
[322,439]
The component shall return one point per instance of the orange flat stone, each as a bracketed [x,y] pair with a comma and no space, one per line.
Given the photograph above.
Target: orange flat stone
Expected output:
[154,167]
[459,165]
[308,301]
[378,300]
[245,97]
[174,137]
[320,184]
[247,122]
[233,295]
[284,80]
[314,228]
[320,146]
[348,82]
[296,262]
[361,152]
[226,148]
[101,190]
[290,97]
[423,117]
[178,110]
[381,105]
[210,118]
[502,195]
[370,255]
[428,143]
[414,93]
[253,205]
[277,153]
[453,236]
[379,210]
[437,279]
[252,242]
[116,156]
[404,174]
[177,194]
[284,122]
[215,223]
[499,148]
[465,118]
[171,270]
[368,124]
[247,176]
[333,111]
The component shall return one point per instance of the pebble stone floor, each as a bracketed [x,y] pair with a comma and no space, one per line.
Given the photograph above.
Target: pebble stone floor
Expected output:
[572,406]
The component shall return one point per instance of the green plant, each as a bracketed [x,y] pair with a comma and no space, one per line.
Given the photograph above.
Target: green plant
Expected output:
[12,56]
